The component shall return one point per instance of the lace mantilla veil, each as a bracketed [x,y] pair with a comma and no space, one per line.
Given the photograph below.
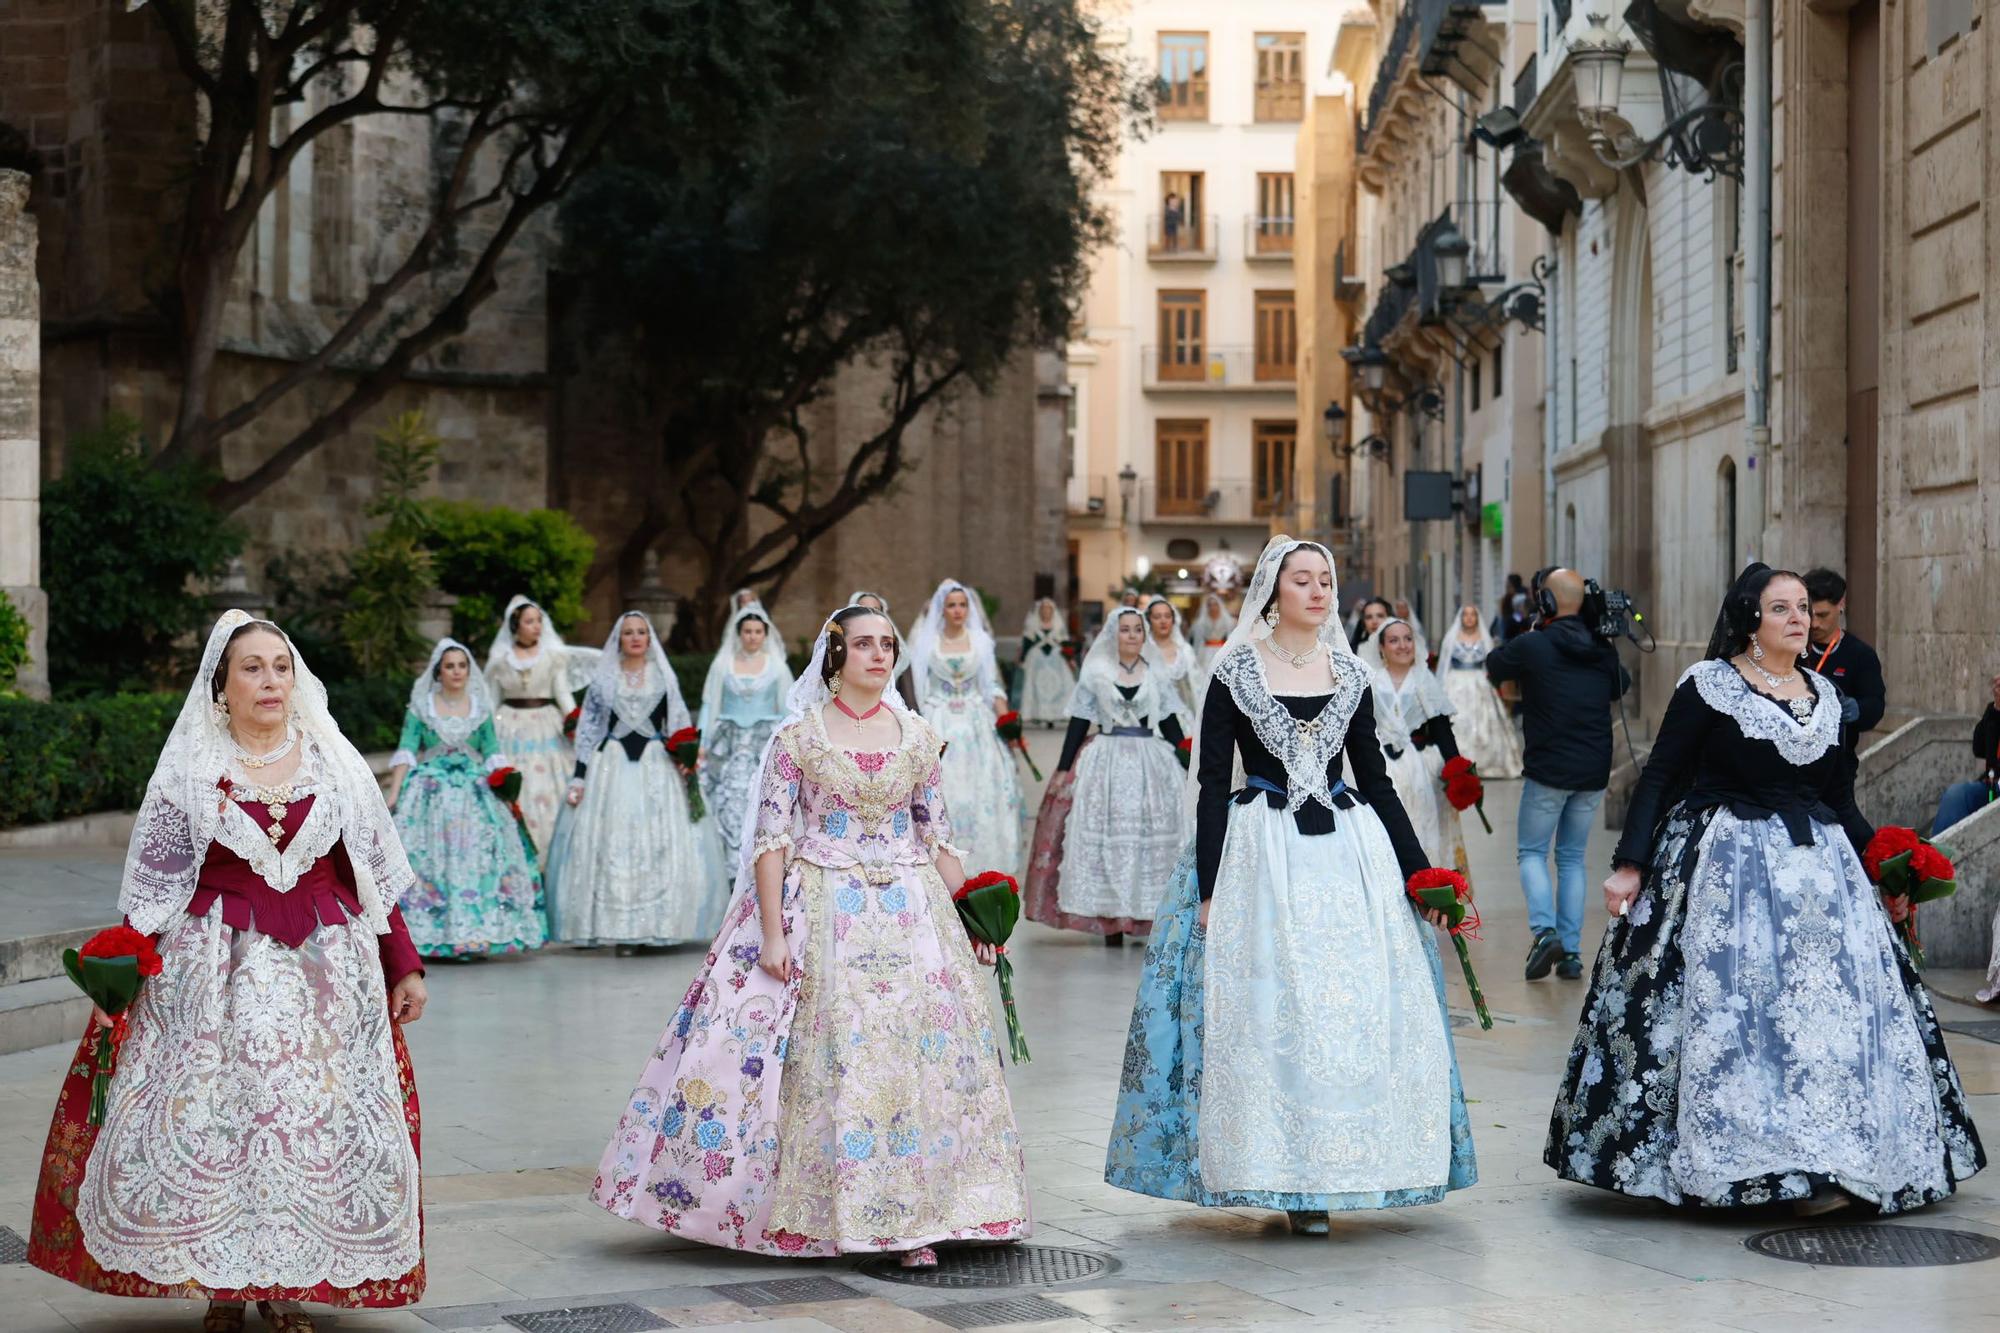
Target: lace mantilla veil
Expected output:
[930,628]
[1099,676]
[1251,630]
[423,702]
[573,665]
[601,705]
[1422,681]
[185,805]
[724,664]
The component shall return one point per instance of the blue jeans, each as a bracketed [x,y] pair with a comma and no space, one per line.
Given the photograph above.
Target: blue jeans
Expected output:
[1961,800]
[1564,815]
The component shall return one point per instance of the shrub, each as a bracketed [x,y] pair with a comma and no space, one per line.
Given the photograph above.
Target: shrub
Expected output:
[13,643]
[78,757]
[484,556]
[123,539]
[393,570]
[370,709]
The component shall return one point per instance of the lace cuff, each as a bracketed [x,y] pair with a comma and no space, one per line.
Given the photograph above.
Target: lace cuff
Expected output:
[781,842]
[402,759]
[943,847]
[496,762]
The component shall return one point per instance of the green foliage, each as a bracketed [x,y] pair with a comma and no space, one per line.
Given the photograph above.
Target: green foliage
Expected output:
[393,571]
[13,643]
[309,595]
[370,709]
[79,757]
[122,541]
[487,555]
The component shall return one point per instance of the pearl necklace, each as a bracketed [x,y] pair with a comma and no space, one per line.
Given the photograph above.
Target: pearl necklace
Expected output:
[1802,706]
[1296,659]
[256,761]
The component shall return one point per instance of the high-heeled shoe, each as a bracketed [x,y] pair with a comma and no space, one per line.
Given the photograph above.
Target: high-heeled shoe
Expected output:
[1308,1223]
[223,1317]
[285,1317]
[926,1257]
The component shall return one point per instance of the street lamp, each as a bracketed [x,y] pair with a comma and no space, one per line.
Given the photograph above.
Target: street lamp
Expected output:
[1451,250]
[1334,422]
[1128,482]
[1599,61]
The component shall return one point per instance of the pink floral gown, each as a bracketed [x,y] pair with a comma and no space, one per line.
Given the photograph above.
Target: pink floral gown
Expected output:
[861,1107]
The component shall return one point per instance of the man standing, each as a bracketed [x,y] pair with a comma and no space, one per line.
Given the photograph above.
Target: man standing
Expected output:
[1844,659]
[1569,680]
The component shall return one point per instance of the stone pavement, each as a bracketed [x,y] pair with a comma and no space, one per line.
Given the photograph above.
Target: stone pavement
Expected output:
[525,1063]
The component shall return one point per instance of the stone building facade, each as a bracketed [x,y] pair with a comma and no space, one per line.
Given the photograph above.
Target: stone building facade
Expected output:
[94,92]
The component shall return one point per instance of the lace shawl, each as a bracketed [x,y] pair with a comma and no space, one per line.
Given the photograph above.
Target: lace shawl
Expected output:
[1760,718]
[1306,748]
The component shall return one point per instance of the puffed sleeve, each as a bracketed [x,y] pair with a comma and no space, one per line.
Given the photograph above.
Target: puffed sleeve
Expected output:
[778,810]
[485,742]
[411,741]
[1676,746]
[1372,781]
[927,807]
[1215,758]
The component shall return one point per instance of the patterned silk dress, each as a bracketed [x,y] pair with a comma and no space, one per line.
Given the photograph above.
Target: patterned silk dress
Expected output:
[861,1106]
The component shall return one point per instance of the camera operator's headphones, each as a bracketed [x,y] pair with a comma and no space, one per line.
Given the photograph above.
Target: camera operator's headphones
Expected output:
[1545,602]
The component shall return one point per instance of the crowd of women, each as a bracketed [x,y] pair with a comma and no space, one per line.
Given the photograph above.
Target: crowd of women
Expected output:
[830,1082]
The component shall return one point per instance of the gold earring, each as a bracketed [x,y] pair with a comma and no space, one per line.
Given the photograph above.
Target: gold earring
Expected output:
[833,687]
[1271,617]
[218,708]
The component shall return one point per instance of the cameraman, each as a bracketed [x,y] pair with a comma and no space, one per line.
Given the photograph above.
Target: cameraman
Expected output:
[1569,679]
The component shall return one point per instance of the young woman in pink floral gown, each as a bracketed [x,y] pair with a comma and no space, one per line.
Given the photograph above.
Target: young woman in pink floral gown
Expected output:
[831,1082]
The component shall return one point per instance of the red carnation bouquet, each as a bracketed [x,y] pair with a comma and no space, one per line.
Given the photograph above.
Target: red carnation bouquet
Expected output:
[570,719]
[1446,891]
[506,784]
[1909,871]
[1008,724]
[1184,751]
[110,968]
[685,746]
[1463,788]
[990,906]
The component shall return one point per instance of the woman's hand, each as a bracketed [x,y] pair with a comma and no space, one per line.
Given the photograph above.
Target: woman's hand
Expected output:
[1621,889]
[1206,903]
[100,1019]
[574,794]
[776,958]
[1897,905]
[407,1000]
[985,952]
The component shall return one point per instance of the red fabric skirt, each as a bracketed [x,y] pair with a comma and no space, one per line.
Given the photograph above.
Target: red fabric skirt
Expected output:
[1039,898]
[55,1242]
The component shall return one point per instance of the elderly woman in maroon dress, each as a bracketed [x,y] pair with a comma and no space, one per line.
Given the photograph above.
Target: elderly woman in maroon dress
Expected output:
[260,1137]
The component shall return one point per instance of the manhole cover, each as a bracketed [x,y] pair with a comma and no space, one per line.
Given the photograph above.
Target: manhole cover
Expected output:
[589,1319]
[991,1314]
[1985,1030]
[13,1249]
[1871,1246]
[788,1291]
[997,1266]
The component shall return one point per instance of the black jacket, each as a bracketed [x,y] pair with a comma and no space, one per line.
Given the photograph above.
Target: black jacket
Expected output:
[1569,680]
[1854,667]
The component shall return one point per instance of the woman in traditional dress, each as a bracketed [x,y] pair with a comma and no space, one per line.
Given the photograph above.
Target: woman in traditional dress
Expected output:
[1163,620]
[741,703]
[1754,1031]
[630,865]
[1483,730]
[1111,823]
[528,670]
[875,601]
[1210,631]
[831,1083]
[1374,613]
[260,1137]
[959,690]
[478,889]
[1290,1048]
[1413,723]
[1046,677]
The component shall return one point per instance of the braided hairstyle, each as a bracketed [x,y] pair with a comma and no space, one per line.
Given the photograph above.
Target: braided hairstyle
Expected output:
[1743,608]
[836,641]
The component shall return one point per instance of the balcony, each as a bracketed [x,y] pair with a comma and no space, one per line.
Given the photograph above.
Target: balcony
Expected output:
[1460,40]
[1212,369]
[1268,239]
[1222,502]
[1089,496]
[1192,241]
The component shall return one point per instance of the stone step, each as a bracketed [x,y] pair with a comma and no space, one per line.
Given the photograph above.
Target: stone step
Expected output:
[41,1013]
[35,957]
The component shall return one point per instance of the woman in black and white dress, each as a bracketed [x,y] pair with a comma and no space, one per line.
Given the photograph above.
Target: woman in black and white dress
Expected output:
[1754,1030]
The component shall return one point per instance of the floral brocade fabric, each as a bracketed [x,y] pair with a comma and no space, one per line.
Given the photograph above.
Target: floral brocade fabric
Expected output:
[861,1106]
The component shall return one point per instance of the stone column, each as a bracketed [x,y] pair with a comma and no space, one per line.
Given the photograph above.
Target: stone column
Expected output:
[653,597]
[20,429]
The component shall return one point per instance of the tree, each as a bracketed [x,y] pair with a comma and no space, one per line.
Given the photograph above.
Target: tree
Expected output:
[520,96]
[924,202]
[394,570]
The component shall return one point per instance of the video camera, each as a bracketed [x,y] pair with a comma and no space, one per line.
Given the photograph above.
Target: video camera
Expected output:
[1610,615]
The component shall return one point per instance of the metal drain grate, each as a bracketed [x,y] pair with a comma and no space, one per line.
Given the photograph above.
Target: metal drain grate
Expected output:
[991,1314]
[589,1319]
[1987,1029]
[789,1291]
[997,1266]
[1873,1246]
[13,1250]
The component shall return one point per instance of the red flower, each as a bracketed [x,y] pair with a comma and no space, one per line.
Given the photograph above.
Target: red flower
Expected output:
[1007,719]
[1927,862]
[498,778]
[1889,842]
[986,879]
[685,736]
[1437,877]
[125,942]
[1457,767]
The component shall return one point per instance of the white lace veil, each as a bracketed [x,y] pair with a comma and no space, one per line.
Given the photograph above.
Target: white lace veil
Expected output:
[1482,636]
[1097,681]
[724,664]
[1032,622]
[602,706]
[423,700]
[931,628]
[1183,663]
[1421,686]
[1252,629]
[1212,622]
[573,665]
[184,806]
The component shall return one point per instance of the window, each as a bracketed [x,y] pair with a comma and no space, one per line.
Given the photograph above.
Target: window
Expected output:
[1275,219]
[1477,368]
[1183,335]
[1725,504]
[1277,336]
[1183,76]
[1499,371]
[1569,535]
[1281,80]
[1273,445]
[1180,452]
[1183,549]
[1183,196]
